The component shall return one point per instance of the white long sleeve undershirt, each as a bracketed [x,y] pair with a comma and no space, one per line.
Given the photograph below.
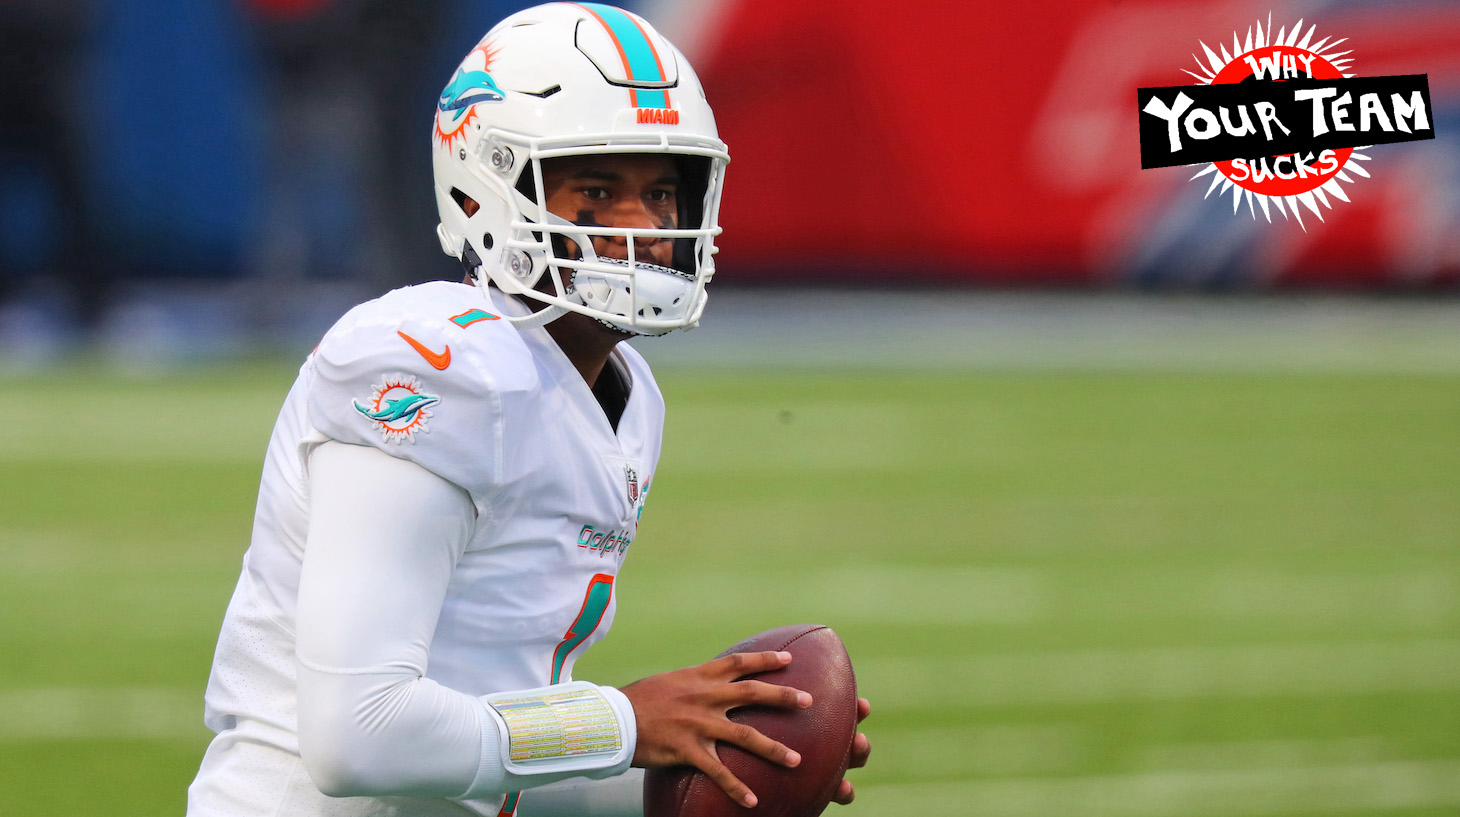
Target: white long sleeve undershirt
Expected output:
[384,537]
[621,796]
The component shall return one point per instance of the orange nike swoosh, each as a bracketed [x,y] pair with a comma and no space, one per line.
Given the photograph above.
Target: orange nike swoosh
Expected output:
[440,361]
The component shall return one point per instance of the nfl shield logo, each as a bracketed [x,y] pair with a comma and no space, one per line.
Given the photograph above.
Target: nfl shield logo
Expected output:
[633,477]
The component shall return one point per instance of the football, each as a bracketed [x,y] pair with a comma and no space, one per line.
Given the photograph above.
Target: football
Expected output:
[822,733]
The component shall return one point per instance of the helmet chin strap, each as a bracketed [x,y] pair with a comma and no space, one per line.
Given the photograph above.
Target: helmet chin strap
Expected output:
[647,277]
[588,254]
[668,284]
[472,263]
[531,320]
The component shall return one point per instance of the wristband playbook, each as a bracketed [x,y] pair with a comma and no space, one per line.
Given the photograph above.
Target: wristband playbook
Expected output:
[573,727]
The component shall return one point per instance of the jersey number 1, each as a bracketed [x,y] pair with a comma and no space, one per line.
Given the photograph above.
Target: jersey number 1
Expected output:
[595,604]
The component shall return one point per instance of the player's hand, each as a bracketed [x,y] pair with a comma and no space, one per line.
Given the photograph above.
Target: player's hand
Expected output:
[861,750]
[682,713]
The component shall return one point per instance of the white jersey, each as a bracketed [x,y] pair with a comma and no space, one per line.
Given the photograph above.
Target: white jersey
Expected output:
[431,375]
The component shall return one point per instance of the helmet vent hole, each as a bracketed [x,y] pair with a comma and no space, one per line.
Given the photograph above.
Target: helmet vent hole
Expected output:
[487,241]
[467,204]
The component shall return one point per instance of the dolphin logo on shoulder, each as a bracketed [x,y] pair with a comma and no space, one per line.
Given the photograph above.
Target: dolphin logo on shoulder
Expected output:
[403,408]
[468,88]
[398,408]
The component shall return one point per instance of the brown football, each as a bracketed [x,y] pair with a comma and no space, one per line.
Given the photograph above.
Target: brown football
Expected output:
[822,733]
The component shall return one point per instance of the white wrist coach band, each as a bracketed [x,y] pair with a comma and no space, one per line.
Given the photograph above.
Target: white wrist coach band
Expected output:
[573,727]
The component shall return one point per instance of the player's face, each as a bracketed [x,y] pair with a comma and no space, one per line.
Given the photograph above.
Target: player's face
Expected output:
[616,190]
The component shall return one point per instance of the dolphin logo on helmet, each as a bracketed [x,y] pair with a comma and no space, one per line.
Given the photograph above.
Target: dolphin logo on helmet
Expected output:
[468,88]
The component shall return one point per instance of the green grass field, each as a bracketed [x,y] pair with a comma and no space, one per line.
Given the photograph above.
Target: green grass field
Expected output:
[1067,594]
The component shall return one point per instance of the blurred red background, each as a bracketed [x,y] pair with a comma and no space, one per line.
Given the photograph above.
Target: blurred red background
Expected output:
[997,143]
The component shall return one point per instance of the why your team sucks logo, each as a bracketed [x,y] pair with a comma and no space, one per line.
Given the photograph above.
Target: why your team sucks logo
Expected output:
[1280,120]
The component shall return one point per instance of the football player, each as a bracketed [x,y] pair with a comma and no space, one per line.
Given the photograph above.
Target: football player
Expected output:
[458,472]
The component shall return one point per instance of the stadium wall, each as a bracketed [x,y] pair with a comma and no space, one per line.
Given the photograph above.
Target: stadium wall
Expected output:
[997,143]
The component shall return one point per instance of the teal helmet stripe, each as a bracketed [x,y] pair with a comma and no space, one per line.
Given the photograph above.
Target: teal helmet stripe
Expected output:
[651,99]
[641,59]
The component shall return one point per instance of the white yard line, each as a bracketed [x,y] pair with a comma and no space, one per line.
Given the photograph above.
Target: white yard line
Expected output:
[973,329]
[1264,754]
[1344,788]
[1050,749]
[1175,673]
[82,713]
[953,595]
[996,750]
[882,593]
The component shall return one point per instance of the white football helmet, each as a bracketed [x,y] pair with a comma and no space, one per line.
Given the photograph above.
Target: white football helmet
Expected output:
[568,79]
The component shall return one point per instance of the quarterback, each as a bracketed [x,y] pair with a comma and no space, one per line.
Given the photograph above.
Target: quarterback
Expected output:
[457,474]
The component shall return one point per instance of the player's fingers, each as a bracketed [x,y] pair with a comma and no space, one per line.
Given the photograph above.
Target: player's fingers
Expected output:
[861,750]
[751,740]
[740,664]
[845,794]
[747,693]
[725,779]
[864,708]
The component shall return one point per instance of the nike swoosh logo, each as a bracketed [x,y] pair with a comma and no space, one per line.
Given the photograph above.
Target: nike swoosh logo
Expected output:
[440,361]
